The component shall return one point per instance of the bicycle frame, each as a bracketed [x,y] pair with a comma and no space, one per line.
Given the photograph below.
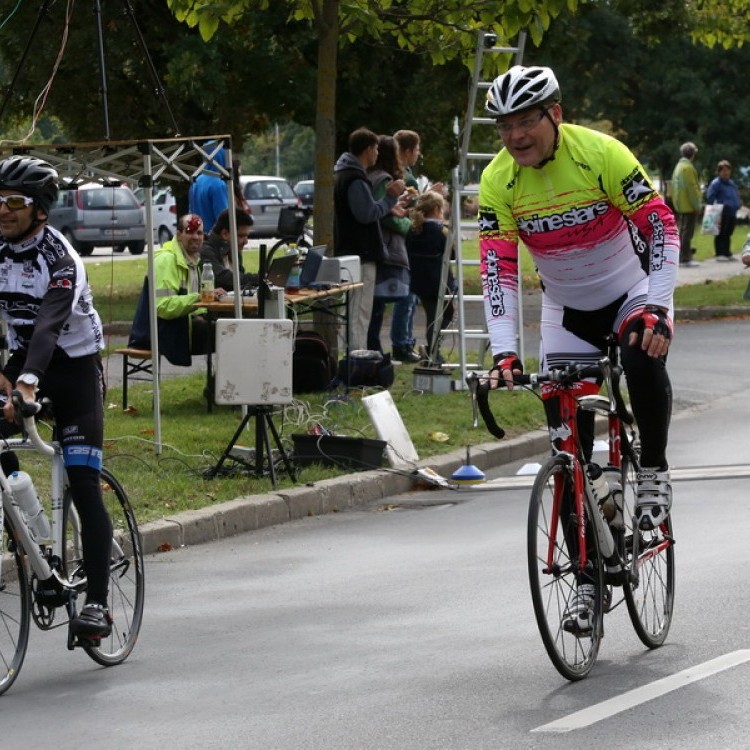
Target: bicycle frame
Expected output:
[38,561]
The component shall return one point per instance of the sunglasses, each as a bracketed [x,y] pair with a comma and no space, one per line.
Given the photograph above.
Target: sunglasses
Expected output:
[16,202]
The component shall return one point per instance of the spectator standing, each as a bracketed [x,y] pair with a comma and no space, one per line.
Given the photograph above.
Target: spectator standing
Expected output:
[183,328]
[410,151]
[208,195]
[356,226]
[216,250]
[425,245]
[687,201]
[722,189]
[392,278]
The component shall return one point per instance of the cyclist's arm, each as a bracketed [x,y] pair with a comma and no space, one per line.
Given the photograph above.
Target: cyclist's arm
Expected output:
[628,187]
[498,263]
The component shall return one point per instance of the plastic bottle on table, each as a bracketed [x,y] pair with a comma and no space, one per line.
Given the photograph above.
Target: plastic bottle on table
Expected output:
[207,283]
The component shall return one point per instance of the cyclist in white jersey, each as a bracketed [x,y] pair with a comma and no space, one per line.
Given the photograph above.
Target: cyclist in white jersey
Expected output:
[606,249]
[55,339]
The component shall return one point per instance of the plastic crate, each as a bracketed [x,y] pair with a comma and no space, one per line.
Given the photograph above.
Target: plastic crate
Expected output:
[358,454]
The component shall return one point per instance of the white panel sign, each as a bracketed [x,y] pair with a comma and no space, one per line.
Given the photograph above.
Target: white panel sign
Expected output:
[399,449]
[254,361]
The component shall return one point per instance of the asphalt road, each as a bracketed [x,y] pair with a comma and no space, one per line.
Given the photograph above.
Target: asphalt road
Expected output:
[409,625]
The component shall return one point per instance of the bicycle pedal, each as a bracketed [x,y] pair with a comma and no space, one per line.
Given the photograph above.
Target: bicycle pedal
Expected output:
[86,641]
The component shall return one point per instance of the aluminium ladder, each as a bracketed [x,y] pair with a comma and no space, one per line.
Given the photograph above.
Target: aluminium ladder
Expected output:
[472,328]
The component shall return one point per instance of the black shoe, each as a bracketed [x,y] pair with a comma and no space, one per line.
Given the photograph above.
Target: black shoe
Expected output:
[93,621]
[405,354]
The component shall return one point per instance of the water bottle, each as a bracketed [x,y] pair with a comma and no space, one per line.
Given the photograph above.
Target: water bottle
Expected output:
[602,495]
[612,507]
[27,500]
[293,280]
[207,283]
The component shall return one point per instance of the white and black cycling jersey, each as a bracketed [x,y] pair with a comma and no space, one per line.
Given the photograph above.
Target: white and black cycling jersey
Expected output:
[46,300]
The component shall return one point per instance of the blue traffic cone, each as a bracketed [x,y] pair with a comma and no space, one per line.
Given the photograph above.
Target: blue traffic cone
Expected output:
[468,473]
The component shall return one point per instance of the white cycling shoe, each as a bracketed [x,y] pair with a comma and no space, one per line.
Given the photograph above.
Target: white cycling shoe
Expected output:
[654,498]
[578,617]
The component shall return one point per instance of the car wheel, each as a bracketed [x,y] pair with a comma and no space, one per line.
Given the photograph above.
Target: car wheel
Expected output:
[164,235]
[85,248]
[118,248]
[136,248]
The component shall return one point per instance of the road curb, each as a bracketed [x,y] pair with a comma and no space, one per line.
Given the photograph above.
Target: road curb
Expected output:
[358,490]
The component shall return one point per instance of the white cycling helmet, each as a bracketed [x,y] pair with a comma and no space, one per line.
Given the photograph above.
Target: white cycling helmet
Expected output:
[521,88]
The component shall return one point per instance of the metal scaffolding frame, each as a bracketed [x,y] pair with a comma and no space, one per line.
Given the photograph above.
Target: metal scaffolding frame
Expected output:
[145,163]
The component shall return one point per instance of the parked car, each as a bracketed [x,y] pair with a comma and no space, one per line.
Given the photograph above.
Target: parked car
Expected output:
[305,190]
[265,197]
[94,215]
[163,212]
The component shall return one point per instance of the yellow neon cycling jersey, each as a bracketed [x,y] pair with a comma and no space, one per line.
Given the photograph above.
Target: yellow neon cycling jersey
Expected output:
[591,219]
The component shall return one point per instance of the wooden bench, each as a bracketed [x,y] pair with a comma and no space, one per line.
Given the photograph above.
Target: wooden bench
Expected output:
[135,363]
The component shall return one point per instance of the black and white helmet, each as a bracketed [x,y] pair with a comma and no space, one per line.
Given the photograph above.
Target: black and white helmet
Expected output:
[521,88]
[30,176]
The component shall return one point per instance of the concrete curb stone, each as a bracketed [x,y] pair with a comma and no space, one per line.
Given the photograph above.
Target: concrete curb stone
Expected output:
[357,490]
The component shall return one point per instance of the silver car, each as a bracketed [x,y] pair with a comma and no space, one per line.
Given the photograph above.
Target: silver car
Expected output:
[163,213]
[265,197]
[93,215]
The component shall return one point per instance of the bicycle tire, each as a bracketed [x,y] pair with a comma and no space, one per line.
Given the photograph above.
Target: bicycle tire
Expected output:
[649,596]
[126,581]
[15,607]
[552,589]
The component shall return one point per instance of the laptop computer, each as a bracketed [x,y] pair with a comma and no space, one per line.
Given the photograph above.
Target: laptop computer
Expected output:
[311,265]
[279,269]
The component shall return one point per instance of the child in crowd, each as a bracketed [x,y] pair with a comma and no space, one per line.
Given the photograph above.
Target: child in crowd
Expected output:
[425,245]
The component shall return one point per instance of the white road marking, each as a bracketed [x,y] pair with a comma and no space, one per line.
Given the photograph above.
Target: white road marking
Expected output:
[697,473]
[632,698]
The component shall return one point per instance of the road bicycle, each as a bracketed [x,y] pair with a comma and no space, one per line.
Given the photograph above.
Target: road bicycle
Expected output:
[569,540]
[41,578]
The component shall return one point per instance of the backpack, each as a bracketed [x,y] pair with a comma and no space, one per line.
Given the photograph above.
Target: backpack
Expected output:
[366,368]
[313,365]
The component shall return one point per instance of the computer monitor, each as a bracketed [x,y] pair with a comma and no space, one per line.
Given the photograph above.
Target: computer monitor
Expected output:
[311,265]
[279,269]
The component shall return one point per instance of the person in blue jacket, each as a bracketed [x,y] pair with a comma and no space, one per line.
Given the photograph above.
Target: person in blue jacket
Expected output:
[209,195]
[722,189]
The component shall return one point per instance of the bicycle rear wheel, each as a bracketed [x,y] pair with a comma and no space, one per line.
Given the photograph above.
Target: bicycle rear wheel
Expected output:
[649,591]
[126,580]
[15,608]
[554,570]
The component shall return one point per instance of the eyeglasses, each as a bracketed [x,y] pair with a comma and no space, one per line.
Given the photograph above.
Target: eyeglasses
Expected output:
[16,202]
[524,125]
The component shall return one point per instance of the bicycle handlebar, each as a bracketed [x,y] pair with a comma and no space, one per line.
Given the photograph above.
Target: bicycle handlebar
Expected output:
[28,410]
[480,388]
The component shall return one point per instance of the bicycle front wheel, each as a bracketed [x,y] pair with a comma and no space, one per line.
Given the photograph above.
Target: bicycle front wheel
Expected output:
[126,579]
[554,570]
[649,591]
[15,608]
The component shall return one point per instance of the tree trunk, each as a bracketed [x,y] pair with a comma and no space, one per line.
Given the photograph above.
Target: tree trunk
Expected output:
[325,146]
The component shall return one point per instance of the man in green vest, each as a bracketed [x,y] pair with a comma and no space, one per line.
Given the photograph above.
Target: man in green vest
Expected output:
[687,201]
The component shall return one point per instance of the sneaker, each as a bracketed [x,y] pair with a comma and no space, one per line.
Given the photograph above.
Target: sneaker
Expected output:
[405,354]
[654,498]
[93,621]
[578,617]
[723,258]
[690,264]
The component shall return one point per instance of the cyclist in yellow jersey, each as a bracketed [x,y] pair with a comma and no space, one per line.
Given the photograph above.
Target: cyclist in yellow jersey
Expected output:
[607,251]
